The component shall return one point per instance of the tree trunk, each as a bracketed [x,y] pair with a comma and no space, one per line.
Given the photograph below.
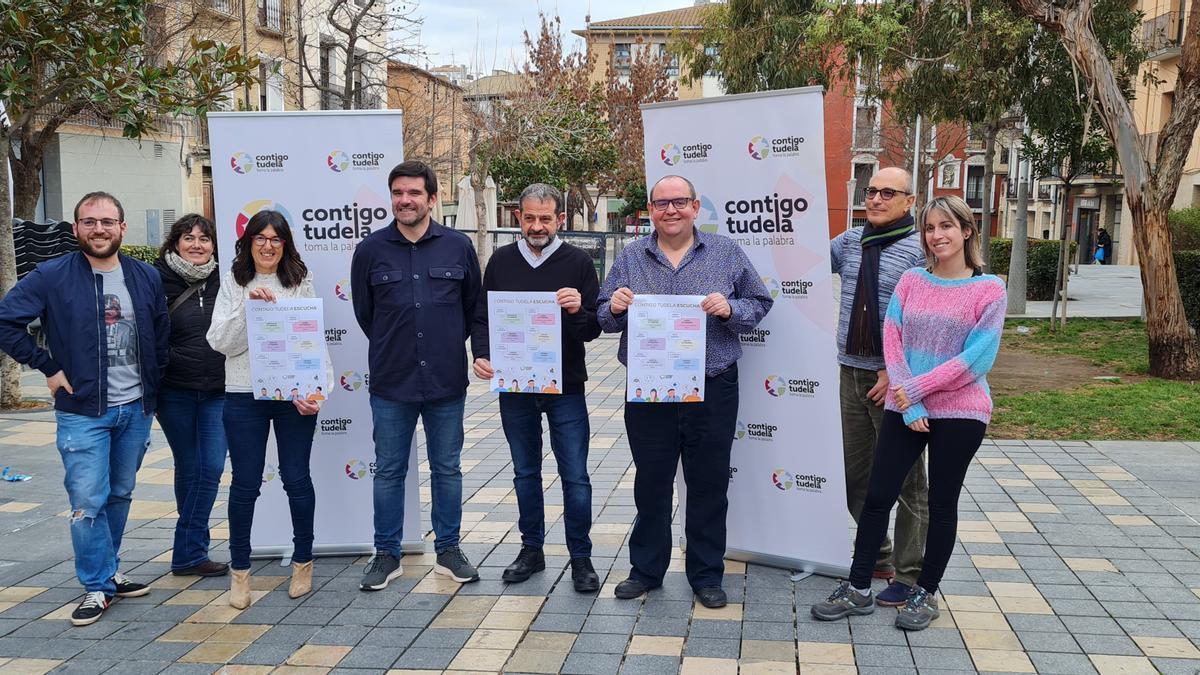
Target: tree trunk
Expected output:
[10,371]
[1060,274]
[27,181]
[1018,262]
[1173,350]
[989,177]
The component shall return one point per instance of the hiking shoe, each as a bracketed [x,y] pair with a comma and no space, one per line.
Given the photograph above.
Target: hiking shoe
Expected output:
[528,561]
[128,588]
[919,611]
[894,595]
[381,569]
[843,602]
[90,609]
[584,576]
[454,564]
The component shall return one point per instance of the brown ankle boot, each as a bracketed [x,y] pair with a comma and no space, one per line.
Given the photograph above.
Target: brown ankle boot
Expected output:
[239,589]
[301,579]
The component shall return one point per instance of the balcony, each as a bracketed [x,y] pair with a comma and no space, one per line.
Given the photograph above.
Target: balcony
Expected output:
[1162,36]
[221,6]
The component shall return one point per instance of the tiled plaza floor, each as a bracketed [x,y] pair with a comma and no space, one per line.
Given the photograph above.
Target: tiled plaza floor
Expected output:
[1073,558]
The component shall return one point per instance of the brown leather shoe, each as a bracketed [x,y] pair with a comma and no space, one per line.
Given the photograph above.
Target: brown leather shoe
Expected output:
[208,568]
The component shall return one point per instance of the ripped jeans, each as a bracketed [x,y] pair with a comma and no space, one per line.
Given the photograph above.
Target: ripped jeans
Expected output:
[101,456]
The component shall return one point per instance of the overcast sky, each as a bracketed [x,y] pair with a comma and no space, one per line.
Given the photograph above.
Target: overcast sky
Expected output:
[487,34]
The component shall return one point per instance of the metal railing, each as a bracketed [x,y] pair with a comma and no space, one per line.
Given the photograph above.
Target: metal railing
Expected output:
[603,247]
[1162,33]
[222,6]
[271,15]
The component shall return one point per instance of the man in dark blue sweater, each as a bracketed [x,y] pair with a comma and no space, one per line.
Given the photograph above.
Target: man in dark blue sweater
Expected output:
[540,261]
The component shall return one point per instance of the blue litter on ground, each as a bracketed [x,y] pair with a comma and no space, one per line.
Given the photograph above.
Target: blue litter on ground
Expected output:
[11,477]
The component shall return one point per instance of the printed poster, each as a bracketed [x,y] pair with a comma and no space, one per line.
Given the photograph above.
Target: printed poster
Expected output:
[525,330]
[287,349]
[665,352]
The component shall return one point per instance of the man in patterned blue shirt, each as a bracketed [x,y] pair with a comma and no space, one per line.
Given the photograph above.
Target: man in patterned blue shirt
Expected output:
[678,259]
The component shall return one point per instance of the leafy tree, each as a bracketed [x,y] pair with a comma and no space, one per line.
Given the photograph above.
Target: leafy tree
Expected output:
[1151,176]
[59,60]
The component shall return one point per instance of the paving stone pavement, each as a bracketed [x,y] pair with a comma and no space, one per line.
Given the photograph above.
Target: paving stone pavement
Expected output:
[1073,557]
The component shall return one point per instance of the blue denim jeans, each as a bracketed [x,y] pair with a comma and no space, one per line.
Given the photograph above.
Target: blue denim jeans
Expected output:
[247,423]
[521,416]
[395,422]
[191,421]
[101,456]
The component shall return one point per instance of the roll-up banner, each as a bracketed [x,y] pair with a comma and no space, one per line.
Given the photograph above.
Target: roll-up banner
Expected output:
[327,173]
[758,164]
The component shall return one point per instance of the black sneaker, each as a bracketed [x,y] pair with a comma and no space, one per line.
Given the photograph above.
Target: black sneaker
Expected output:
[528,561]
[584,576]
[128,588]
[380,571]
[90,609]
[454,564]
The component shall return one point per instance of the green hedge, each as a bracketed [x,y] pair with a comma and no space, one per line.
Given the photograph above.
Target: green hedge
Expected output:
[1187,267]
[1041,265]
[144,253]
[1185,229]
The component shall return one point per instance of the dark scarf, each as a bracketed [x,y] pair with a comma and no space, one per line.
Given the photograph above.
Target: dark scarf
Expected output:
[863,338]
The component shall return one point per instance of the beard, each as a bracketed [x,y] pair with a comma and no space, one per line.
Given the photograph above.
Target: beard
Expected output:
[539,241]
[100,249]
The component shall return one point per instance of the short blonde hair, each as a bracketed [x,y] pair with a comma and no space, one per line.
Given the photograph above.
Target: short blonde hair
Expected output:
[960,212]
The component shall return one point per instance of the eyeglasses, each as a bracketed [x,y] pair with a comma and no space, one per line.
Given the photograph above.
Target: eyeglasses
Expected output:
[886,193]
[678,203]
[92,223]
[260,240]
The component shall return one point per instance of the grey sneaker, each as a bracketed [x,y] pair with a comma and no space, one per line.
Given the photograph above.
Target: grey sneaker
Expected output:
[380,571]
[843,602]
[455,565]
[920,610]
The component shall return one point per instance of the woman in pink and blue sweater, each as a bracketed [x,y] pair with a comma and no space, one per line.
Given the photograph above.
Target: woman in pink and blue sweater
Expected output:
[941,335]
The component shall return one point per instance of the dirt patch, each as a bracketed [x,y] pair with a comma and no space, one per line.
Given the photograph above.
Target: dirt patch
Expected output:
[1018,372]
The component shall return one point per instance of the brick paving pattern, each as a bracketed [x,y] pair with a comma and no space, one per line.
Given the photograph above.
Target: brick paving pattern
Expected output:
[1073,557]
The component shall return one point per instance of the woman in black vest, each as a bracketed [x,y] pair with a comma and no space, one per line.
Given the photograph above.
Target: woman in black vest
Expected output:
[192,397]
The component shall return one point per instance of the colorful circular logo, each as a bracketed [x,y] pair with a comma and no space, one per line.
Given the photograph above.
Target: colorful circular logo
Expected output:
[342,290]
[351,381]
[708,220]
[782,479]
[772,285]
[241,162]
[251,208]
[670,154]
[775,385]
[740,433]
[338,161]
[356,470]
[759,147]
[270,471]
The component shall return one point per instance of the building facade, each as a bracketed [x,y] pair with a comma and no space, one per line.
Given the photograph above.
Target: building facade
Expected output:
[435,122]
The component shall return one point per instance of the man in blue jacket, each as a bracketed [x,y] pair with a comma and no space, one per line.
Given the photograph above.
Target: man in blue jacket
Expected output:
[105,318]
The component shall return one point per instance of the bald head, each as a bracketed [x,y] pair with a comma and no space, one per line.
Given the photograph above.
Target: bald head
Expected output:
[897,182]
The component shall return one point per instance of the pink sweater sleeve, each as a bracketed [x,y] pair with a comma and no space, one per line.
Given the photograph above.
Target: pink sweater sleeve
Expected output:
[977,357]
[893,334]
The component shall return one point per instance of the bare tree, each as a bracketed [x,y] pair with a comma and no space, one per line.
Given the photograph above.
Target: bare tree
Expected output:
[343,48]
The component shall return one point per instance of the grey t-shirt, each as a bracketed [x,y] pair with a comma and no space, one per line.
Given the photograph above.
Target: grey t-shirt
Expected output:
[120,328]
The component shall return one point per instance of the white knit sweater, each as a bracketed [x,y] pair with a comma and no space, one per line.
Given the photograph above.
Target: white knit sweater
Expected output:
[227,333]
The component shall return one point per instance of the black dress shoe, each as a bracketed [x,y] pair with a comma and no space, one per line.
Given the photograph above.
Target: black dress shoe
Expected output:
[208,568]
[528,561]
[712,598]
[584,576]
[631,588]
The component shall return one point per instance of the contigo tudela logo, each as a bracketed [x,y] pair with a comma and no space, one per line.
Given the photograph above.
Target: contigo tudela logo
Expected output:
[245,162]
[761,147]
[784,481]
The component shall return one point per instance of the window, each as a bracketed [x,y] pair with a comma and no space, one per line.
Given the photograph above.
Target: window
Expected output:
[360,86]
[862,178]
[713,52]
[975,194]
[270,84]
[1043,192]
[222,6]
[270,15]
[622,59]
[672,60]
[327,66]
[866,126]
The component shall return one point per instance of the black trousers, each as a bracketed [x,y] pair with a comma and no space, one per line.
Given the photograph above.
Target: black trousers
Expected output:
[952,444]
[701,434]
